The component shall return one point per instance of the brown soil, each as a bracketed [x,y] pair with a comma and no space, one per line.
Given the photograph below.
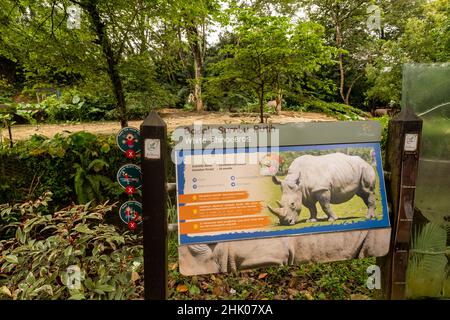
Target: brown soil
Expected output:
[173,118]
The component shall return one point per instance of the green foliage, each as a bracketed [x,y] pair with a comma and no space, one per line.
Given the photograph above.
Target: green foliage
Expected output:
[79,167]
[89,185]
[424,39]
[428,265]
[73,105]
[6,90]
[339,110]
[154,48]
[143,91]
[384,121]
[270,54]
[36,258]
[343,280]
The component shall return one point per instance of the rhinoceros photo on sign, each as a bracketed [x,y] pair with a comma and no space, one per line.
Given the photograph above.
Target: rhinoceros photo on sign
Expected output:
[302,189]
[323,202]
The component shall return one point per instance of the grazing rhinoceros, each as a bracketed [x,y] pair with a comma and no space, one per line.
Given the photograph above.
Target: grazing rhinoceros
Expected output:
[329,179]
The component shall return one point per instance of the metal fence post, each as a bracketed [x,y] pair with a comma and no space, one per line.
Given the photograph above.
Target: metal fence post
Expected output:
[154,210]
[402,161]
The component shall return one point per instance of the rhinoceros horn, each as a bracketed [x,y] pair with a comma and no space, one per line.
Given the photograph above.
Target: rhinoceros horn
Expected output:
[276,211]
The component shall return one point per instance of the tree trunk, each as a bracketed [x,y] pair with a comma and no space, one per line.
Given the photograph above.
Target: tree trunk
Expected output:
[341,63]
[198,87]
[91,7]
[196,48]
[261,103]
[342,78]
[278,100]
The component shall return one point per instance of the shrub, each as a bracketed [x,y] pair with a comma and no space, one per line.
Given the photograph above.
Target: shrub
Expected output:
[339,110]
[35,260]
[74,105]
[6,90]
[74,167]
[77,167]
[384,121]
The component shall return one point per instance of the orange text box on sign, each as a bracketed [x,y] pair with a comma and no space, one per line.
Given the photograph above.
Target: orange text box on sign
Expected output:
[212,196]
[224,225]
[217,210]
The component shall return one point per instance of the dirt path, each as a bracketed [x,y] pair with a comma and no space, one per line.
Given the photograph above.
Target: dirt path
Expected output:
[173,118]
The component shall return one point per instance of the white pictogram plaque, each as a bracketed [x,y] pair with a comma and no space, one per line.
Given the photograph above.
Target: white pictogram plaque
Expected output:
[152,149]
[411,141]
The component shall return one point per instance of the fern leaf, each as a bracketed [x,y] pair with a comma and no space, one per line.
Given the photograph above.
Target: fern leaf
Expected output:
[97,165]
[79,185]
[95,187]
[105,181]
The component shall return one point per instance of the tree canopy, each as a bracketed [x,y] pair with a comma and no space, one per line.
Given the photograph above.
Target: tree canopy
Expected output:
[213,55]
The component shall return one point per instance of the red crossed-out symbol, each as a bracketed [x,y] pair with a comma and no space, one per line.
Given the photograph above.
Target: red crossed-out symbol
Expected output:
[132,225]
[130,190]
[130,154]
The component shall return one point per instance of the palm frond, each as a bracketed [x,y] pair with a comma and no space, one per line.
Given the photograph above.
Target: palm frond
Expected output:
[426,268]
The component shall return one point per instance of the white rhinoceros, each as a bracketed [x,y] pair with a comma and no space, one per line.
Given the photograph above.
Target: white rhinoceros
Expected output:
[246,254]
[328,179]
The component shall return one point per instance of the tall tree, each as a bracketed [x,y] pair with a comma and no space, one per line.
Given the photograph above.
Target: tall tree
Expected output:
[269,51]
[345,21]
[112,57]
[44,43]
[424,39]
[193,19]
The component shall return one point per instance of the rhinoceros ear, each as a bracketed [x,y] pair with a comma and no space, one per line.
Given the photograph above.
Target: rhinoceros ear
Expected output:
[276,180]
[295,186]
[297,182]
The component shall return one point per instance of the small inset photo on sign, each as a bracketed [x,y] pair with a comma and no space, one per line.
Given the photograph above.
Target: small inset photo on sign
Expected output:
[297,190]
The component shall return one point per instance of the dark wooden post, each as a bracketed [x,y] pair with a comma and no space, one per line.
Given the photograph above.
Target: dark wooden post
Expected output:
[11,143]
[402,162]
[154,210]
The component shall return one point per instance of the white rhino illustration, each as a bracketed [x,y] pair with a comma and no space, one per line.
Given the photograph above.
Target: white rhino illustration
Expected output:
[328,179]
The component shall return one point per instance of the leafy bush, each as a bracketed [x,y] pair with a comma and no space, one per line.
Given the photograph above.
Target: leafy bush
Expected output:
[79,167]
[6,90]
[384,121]
[74,105]
[32,113]
[339,110]
[34,263]
[70,104]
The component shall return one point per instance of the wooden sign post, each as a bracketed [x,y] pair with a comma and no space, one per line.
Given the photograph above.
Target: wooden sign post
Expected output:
[154,210]
[402,163]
